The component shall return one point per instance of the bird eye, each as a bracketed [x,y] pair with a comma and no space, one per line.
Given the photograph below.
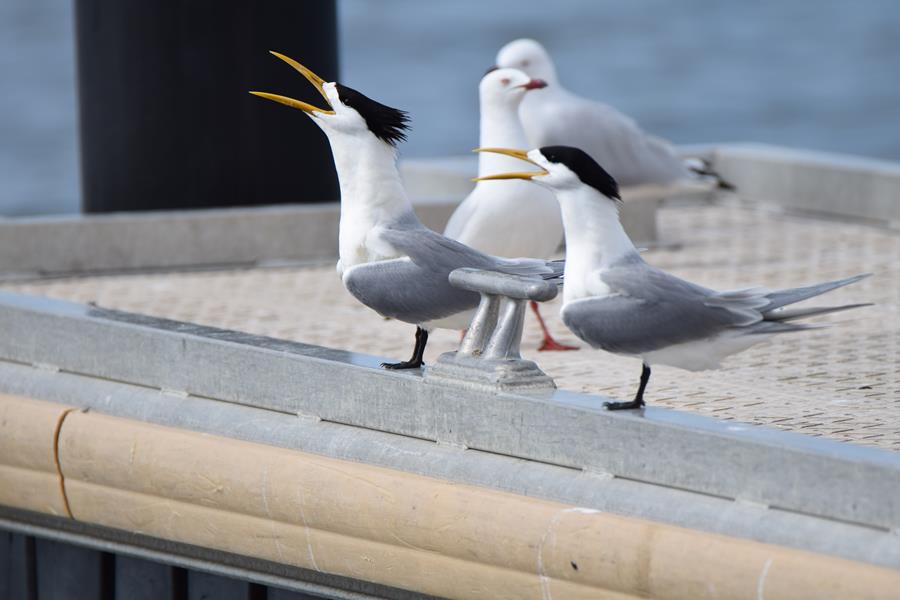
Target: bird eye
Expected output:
[526,62]
[505,81]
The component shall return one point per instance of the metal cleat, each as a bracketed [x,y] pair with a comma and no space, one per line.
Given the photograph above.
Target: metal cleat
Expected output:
[488,357]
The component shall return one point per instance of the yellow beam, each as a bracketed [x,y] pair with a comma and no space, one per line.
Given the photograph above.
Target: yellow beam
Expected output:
[29,475]
[415,532]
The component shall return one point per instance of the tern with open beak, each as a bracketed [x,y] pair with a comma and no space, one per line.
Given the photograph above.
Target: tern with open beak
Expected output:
[515,219]
[558,116]
[389,261]
[615,301]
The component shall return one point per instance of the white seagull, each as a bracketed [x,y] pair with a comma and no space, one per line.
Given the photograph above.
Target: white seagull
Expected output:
[557,116]
[389,261]
[516,219]
[615,301]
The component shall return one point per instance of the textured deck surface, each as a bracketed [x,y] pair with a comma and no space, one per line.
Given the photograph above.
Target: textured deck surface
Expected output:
[842,382]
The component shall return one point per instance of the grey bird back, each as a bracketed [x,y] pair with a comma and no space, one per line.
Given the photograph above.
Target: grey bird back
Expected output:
[417,289]
[647,310]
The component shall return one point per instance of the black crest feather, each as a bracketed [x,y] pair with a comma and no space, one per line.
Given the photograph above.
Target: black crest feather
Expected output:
[586,168]
[388,124]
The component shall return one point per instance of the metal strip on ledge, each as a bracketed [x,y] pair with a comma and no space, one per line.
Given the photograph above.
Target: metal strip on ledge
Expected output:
[757,465]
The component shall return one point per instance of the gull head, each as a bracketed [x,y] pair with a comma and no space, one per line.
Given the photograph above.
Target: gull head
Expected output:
[506,87]
[561,168]
[349,112]
[529,57]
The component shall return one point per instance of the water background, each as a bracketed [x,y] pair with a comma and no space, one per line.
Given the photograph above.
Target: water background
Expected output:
[810,74]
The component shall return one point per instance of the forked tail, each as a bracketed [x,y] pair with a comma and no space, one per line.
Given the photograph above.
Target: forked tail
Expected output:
[777,319]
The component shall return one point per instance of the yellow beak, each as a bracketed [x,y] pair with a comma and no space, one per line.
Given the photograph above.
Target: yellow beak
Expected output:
[314,79]
[521,155]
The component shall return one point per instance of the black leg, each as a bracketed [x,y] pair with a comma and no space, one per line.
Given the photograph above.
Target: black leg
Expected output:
[638,398]
[418,352]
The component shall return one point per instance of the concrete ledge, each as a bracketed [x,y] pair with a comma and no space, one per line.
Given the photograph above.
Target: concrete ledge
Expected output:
[827,184]
[178,239]
[666,448]
[42,246]
[166,239]
[814,182]
[59,245]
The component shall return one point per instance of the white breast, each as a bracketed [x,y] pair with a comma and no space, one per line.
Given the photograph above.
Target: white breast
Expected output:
[512,219]
[360,242]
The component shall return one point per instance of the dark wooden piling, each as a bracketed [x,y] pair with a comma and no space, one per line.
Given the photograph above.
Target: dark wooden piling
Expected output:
[166,120]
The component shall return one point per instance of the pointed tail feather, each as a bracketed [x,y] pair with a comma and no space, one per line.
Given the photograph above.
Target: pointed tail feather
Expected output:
[784,297]
[789,314]
[767,327]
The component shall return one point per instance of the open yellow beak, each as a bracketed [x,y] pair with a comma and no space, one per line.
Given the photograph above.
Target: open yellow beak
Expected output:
[521,155]
[314,79]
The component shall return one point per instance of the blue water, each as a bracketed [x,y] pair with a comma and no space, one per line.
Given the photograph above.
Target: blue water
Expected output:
[811,74]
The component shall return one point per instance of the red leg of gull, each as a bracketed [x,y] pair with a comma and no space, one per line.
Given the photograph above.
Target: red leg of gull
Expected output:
[549,344]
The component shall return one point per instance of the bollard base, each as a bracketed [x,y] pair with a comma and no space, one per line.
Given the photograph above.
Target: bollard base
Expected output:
[471,372]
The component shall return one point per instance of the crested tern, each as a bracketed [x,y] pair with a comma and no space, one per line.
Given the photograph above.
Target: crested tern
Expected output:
[517,219]
[615,301]
[558,116]
[389,261]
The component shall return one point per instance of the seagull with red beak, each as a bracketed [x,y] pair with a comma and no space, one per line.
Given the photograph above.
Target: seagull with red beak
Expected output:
[612,138]
[389,261]
[512,219]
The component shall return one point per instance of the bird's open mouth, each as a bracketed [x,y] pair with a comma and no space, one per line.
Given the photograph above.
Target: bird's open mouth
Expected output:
[314,79]
[521,155]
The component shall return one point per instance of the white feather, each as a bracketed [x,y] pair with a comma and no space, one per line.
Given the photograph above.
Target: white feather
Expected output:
[555,116]
[506,218]
[700,355]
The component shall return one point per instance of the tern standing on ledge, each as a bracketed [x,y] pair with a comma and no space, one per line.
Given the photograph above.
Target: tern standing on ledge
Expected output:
[615,301]
[389,261]
[557,116]
[516,219]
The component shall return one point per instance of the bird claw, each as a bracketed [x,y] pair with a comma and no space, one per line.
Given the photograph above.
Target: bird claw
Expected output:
[623,405]
[406,364]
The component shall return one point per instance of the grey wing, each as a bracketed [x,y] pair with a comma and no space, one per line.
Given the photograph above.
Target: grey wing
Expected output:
[403,290]
[619,144]
[436,252]
[650,309]
[431,250]
[780,298]
[640,158]
[663,160]
[632,326]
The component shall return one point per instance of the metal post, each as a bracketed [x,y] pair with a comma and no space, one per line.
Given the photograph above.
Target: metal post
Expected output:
[507,336]
[166,120]
[483,324]
[488,357]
